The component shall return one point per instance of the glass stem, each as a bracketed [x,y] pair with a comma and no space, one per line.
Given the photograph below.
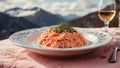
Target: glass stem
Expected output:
[106,26]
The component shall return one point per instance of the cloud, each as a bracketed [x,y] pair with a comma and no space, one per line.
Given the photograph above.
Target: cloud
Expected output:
[26,3]
[79,7]
[6,4]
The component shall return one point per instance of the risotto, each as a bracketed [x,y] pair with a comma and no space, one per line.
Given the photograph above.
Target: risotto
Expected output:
[64,38]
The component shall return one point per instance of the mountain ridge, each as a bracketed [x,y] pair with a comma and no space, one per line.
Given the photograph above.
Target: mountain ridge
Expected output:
[11,23]
[92,20]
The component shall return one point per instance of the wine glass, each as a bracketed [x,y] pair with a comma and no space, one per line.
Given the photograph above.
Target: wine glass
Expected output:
[106,12]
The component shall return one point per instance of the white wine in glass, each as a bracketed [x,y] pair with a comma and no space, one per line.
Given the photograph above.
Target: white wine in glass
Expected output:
[106,11]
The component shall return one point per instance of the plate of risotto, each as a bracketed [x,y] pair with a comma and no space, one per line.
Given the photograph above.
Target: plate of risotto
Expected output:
[61,40]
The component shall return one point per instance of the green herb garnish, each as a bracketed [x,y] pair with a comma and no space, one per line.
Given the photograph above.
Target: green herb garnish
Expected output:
[62,27]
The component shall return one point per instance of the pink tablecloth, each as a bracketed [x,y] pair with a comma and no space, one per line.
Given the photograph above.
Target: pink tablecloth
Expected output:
[12,56]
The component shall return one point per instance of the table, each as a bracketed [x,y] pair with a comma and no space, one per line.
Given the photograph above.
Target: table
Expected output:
[12,56]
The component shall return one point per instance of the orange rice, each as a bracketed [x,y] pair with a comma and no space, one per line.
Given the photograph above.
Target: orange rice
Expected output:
[62,40]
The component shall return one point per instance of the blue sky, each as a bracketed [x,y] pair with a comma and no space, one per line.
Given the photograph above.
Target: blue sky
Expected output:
[63,7]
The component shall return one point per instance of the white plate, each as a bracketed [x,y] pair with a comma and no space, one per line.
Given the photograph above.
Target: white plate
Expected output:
[27,39]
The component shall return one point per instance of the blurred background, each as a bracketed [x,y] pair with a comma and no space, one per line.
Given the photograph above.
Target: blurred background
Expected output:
[16,15]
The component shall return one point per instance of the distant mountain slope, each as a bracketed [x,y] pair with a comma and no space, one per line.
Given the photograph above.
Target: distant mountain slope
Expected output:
[10,25]
[92,20]
[71,17]
[16,19]
[15,22]
[36,15]
[44,18]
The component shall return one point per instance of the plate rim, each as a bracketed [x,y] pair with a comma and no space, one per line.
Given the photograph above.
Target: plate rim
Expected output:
[59,49]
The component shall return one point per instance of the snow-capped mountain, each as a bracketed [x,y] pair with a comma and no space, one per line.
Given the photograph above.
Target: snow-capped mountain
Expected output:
[32,12]
[36,15]
[44,18]
[19,12]
[17,19]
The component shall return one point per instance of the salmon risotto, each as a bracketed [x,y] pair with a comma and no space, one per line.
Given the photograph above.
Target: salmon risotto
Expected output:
[62,36]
